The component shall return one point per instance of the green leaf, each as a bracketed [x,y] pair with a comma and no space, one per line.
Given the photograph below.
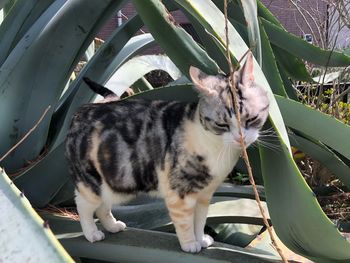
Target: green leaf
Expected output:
[264,12]
[105,61]
[17,23]
[302,49]
[287,83]
[3,3]
[294,66]
[136,68]
[239,191]
[175,41]
[325,156]
[251,17]
[45,178]
[316,124]
[154,247]
[26,71]
[20,216]
[270,68]
[296,216]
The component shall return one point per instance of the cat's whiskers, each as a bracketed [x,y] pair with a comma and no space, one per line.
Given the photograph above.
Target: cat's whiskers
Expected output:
[269,145]
[221,153]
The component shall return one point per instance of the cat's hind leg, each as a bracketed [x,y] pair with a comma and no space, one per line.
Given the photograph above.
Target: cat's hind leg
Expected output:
[107,219]
[86,206]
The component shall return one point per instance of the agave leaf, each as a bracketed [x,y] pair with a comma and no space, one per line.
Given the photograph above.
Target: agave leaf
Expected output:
[44,179]
[325,156]
[135,46]
[269,66]
[295,213]
[294,66]
[287,83]
[339,131]
[44,37]
[3,3]
[153,246]
[99,68]
[176,42]
[239,191]
[64,197]
[264,12]
[235,234]
[302,49]
[142,85]
[21,17]
[18,214]
[329,77]
[136,68]
[251,17]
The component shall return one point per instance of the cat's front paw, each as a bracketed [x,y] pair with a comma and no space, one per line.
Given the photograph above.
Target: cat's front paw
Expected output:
[94,236]
[193,247]
[117,226]
[206,241]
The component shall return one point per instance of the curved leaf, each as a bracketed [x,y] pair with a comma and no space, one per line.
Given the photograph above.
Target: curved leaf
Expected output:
[302,49]
[316,124]
[270,68]
[99,68]
[295,213]
[17,213]
[176,42]
[251,18]
[16,21]
[136,68]
[39,67]
[325,156]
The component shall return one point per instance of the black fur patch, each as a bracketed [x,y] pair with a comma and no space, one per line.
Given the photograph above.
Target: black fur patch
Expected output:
[191,178]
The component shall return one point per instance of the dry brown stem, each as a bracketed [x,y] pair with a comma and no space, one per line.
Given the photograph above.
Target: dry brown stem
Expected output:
[244,152]
[26,135]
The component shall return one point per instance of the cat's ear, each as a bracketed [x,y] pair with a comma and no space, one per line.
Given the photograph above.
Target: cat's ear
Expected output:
[247,71]
[204,83]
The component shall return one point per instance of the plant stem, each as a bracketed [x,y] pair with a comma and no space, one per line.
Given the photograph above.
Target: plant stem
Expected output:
[26,135]
[244,153]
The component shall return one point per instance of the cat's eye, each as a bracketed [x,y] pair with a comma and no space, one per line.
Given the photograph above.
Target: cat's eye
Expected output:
[254,121]
[222,125]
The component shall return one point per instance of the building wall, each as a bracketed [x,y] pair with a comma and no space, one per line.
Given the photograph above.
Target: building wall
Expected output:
[314,22]
[339,33]
[307,17]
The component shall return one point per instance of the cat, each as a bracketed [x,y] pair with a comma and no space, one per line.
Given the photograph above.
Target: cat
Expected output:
[180,151]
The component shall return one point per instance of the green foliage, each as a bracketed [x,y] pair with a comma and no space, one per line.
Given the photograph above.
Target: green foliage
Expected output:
[63,30]
[20,223]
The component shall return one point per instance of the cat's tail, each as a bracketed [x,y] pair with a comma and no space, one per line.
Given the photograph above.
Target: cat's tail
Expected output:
[99,89]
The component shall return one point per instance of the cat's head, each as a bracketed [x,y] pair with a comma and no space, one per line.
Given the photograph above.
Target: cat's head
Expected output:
[216,109]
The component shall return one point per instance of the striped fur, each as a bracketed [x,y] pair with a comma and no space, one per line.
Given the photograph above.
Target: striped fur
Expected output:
[181,151]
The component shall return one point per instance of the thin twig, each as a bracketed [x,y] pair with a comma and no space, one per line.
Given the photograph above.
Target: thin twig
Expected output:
[340,96]
[26,135]
[244,154]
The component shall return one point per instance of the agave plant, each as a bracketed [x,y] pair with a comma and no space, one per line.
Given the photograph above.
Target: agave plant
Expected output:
[42,41]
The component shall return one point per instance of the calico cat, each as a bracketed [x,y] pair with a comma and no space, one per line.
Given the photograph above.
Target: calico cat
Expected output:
[180,151]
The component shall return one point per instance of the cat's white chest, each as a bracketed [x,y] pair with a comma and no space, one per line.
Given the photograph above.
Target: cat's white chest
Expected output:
[221,161]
